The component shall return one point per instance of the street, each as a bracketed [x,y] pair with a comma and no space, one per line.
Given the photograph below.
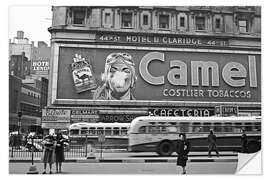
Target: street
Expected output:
[132,168]
[135,163]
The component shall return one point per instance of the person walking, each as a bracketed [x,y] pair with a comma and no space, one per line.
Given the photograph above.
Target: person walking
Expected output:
[48,153]
[244,141]
[59,152]
[212,143]
[182,149]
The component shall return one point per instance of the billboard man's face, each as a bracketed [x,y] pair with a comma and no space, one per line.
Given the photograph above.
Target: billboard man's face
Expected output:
[119,77]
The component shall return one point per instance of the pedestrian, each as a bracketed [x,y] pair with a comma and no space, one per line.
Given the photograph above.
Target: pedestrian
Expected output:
[212,143]
[182,149]
[244,142]
[59,151]
[48,154]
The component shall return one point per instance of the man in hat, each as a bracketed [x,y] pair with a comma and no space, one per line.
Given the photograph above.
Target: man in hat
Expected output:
[119,78]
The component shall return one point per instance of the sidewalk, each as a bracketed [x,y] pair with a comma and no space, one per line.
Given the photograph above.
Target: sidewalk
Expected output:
[139,158]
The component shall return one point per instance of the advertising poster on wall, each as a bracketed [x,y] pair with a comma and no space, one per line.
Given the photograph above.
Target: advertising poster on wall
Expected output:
[145,76]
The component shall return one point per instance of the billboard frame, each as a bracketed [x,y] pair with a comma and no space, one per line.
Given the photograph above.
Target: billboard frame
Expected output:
[54,74]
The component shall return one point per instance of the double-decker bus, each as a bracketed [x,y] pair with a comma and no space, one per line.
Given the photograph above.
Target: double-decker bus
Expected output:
[115,133]
[159,134]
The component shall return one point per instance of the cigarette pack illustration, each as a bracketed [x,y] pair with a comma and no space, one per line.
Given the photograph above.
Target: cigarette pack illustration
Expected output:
[82,74]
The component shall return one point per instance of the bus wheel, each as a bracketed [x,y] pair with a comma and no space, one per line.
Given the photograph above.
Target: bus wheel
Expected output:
[165,148]
[253,146]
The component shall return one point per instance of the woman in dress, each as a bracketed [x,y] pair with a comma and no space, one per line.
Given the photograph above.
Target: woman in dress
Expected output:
[59,152]
[182,149]
[48,154]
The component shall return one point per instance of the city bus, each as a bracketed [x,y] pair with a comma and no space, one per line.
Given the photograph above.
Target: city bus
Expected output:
[159,134]
[115,133]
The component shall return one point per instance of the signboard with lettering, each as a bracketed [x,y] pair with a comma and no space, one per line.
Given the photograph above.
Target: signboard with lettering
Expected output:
[150,76]
[163,40]
[84,113]
[120,118]
[40,66]
[197,112]
[55,115]
[226,110]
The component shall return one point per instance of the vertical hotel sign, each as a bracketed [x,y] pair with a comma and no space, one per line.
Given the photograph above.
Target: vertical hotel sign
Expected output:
[55,118]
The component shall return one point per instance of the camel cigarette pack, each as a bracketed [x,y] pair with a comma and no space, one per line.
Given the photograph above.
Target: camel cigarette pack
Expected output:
[82,74]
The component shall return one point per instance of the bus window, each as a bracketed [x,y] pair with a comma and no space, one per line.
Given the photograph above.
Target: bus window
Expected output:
[153,129]
[163,129]
[108,131]
[100,130]
[184,127]
[196,127]
[116,131]
[123,131]
[92,130]
[228,127]
[217,127]
[172,129]
[206,127]
[248,126]
[237,127]
[257,126]
[74,132]
[142,129]
[84,130]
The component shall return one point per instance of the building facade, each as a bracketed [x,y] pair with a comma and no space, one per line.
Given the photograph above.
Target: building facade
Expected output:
[181,61]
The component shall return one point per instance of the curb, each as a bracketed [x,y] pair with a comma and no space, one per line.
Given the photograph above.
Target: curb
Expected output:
[127,160]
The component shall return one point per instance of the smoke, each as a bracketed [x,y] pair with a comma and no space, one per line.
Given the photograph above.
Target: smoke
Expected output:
[119,79]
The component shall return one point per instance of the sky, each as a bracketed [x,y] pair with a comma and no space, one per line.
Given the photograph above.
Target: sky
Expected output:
[34,20]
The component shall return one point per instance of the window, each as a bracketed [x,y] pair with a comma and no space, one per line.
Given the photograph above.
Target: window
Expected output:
[123,131]
[145,19]
[92,131]
[200,23]
[248,126]
[228,127]
[243,26]
[164,21]
[218,23]
[126,19]
[257,126]
[142,129]
[116,131]
[182,21]
[74,131]
[108,131]
[108,18]
[100,130]
[196,127]
[206,127]
[83,130]
[184,127]
[79,17]
[217,127]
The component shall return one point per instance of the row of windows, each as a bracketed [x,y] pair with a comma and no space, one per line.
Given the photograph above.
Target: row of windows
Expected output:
[201,128]
[109,131]
[164,21]
[30,110]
